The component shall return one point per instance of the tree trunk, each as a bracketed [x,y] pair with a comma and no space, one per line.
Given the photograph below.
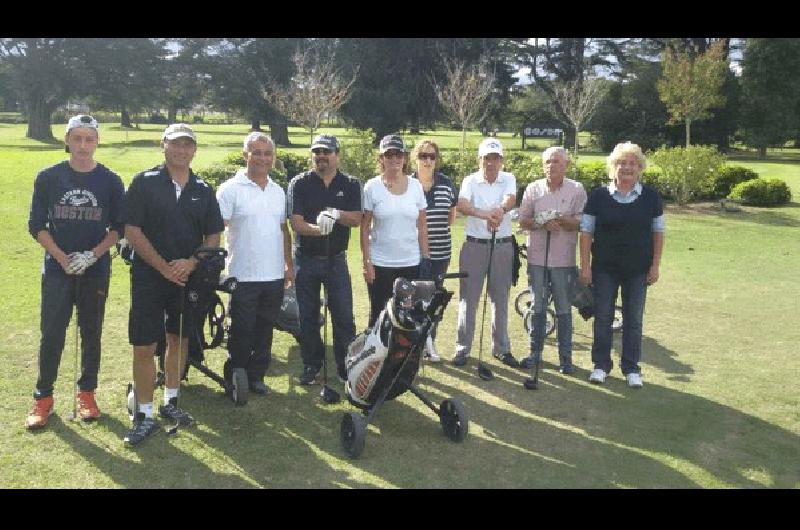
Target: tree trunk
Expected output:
[172,114]
[126,119]
[463,137]
[255,124]
[279,132]
[576,143]
[762,152]
[570,138]
[39,114]
[688,133]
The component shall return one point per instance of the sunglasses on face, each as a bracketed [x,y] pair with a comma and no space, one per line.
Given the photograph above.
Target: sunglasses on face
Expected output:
[426,156]
[394,154]
[321,151]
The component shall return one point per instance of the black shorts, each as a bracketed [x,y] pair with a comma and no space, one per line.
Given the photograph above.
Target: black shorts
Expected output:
[152,298]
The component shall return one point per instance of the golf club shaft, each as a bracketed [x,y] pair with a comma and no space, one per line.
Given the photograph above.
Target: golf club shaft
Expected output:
[545,290]
[485,293]
[75,365]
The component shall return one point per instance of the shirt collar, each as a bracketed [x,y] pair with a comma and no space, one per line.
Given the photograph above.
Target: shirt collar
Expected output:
[242,178]
[500,177]
[612,188]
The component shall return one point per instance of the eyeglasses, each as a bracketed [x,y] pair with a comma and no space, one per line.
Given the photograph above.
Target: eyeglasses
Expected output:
[426,156]
[394,153]
[321,151]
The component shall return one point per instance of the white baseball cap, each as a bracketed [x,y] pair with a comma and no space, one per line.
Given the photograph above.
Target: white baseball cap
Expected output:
[176,130]
[83,121]
[490,145]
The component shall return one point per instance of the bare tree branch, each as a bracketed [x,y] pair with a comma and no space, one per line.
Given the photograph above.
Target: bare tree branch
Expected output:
[578,99]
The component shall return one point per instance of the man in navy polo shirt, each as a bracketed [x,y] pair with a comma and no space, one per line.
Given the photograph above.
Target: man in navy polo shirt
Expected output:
[76,216]
[324,205]
[169,214]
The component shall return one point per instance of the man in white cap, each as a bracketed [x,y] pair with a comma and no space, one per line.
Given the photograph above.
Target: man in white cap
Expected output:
[486,198]
[169,214]
[76,216]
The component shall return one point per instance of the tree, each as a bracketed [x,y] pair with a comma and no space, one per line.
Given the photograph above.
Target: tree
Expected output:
[464,92]
[770,94]
[691,83]
[317,89]
[578,100]
[45,73]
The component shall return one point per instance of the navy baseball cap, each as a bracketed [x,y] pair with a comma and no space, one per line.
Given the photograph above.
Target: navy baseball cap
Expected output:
[325,141]
[392,141]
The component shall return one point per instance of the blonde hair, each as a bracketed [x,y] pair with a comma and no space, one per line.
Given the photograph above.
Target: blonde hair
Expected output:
[425,143]
[621,150]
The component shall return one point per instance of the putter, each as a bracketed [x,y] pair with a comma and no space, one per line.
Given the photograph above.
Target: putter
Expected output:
[533,383]
[483,371]
[174,429]
[328,395]
[74,415]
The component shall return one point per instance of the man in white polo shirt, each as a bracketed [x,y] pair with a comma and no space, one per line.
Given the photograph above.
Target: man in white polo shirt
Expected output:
[253,208]
[486,198]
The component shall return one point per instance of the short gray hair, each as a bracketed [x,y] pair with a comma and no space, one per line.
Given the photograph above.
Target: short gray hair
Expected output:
[555,149]
[256,136]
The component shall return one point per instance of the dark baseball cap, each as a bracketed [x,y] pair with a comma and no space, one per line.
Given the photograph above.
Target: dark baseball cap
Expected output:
[325,141]
[392,141]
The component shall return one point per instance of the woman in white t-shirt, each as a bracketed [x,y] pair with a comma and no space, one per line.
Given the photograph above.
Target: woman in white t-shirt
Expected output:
[394,234]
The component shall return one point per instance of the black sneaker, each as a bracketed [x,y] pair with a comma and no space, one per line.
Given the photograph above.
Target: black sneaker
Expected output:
[172,412]
[508,360]
[309,376]
[142,428]
[258,387]
[528,362]
[460,359]
[567,369]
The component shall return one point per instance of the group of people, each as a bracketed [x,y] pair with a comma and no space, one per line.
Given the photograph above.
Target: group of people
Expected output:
[80,209]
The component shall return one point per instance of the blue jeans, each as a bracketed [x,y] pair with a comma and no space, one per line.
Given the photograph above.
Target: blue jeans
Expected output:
[561,280]
[604,291]
[311,273]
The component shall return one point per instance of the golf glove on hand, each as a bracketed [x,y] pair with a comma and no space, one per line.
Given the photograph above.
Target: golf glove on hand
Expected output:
[80,261]
[325,222]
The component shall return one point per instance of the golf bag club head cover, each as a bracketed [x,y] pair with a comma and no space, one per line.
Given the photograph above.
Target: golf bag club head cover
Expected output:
[289,316]
[582,298]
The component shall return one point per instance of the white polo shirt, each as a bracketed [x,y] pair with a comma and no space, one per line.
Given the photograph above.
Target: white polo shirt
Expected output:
[486,196]
[253,237]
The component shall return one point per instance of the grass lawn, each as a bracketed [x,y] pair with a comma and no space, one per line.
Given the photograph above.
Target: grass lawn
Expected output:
[719,366]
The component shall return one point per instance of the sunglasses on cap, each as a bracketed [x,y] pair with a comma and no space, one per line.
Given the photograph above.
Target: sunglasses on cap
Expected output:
[322,150]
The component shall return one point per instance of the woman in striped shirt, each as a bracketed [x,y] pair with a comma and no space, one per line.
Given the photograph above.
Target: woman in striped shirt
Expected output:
[442,198]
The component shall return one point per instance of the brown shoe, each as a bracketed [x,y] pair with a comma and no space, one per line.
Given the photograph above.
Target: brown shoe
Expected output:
[42,408]
[87,406]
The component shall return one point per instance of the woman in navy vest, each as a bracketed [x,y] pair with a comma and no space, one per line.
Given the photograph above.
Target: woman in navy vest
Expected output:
[623,227]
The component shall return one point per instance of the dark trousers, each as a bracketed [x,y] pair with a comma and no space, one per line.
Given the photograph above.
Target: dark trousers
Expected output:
[604,291]
[381,289]
[254,309]
[311,273]
[438,266]
[59,294]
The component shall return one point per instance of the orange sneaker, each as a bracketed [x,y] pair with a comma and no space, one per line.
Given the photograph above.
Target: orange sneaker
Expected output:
[87,406]
[42,408]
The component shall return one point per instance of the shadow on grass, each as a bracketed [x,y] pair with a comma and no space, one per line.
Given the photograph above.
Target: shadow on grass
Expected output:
[51,146]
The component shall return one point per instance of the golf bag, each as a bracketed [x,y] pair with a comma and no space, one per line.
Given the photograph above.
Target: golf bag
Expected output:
[382,362]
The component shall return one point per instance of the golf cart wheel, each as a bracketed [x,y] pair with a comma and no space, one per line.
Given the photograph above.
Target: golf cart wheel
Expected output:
[353,432]
[240,386]
[454,420]
[616,324]
[522,302]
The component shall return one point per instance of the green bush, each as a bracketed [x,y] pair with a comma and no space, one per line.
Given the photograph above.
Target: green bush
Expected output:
[687,171]
[762,192]
[458,163]
[724,180]
[359,158]
[591,174]
[652,177]
[292,165]
[217,173]
[234,159]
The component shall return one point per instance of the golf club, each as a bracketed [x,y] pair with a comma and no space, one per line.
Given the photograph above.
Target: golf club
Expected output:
[532,383]
[328,395]
[483,370]
[174,428]
[74,415]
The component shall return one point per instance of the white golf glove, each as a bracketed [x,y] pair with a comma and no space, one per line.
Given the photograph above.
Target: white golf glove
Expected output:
[80,261]
[326,220]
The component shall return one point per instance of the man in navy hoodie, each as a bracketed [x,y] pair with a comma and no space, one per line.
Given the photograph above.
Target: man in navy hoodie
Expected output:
[76,216]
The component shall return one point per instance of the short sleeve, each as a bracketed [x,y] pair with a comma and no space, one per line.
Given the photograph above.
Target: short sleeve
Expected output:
[213,221]
[511,185]
[466,189]
[354,197]
[115,219]
[225,201]
[579,201]
[526,206]
[133,209]
[369,200]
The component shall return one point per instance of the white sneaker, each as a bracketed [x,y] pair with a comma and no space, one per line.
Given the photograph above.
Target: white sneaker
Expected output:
[430,352]
[634,380]
[598,376]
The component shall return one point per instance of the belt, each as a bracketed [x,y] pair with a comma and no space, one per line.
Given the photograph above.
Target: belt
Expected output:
[488,241]
[323,256]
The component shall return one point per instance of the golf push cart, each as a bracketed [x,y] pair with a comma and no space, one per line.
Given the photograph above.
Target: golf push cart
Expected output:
[211,329]
[382,362]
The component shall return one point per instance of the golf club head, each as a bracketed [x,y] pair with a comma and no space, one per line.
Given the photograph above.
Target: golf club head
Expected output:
[530,384]
[173,430]
[329,396]
[484,372]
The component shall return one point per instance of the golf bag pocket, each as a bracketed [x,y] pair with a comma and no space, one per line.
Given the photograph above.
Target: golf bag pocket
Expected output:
[364,361]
